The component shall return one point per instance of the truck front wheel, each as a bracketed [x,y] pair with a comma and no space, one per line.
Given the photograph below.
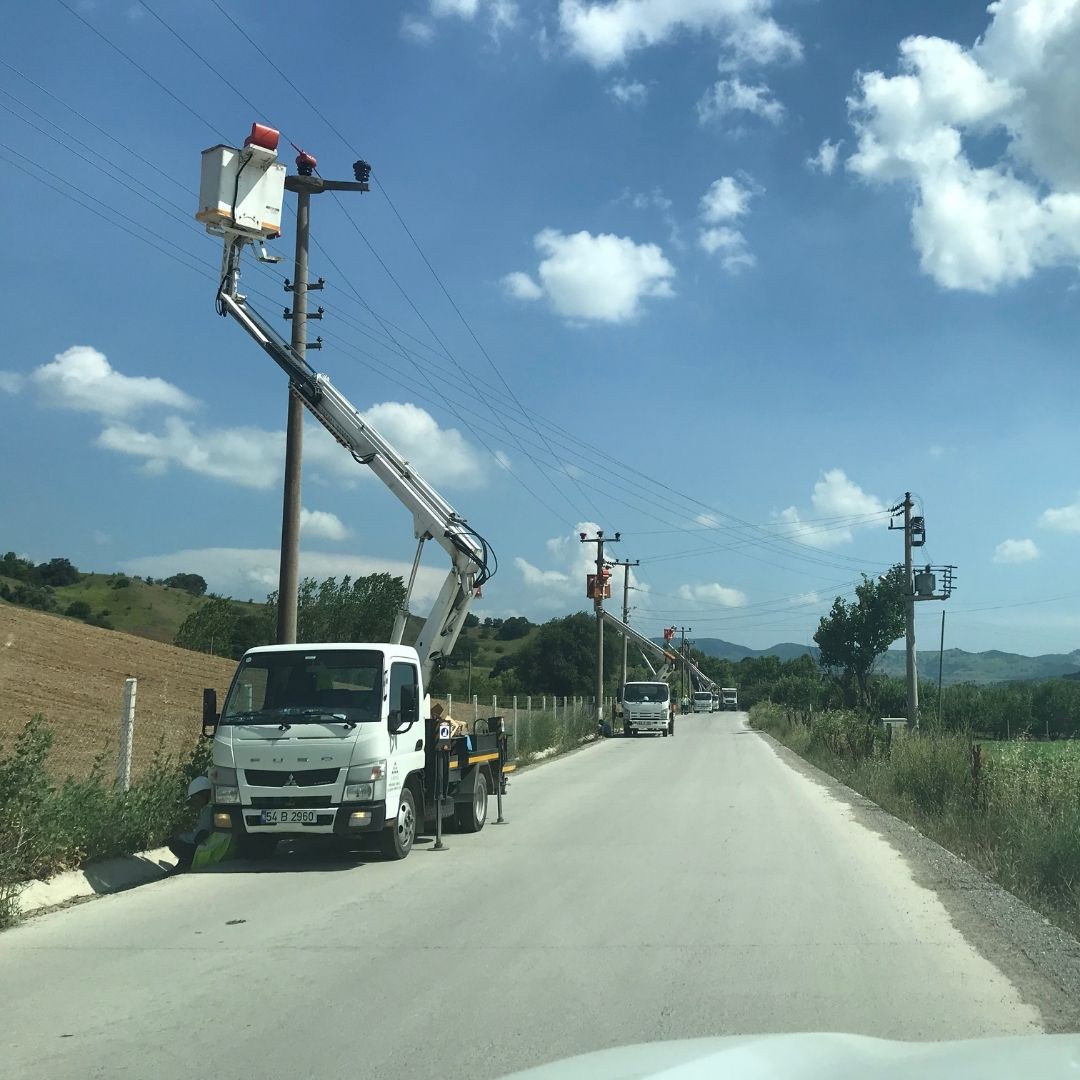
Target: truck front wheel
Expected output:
[396,842]
[470,816]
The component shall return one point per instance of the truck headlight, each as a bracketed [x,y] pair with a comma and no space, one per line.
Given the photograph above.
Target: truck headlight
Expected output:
[226,794]
[218,774]
[373,770]
[368,781]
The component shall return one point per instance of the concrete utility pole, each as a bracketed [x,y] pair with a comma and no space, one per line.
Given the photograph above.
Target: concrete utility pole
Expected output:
[625,564]
[909,614]
[682,631]
[304,184]
[599,584]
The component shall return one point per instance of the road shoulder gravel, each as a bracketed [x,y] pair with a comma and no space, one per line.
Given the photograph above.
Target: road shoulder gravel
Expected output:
[1042,961]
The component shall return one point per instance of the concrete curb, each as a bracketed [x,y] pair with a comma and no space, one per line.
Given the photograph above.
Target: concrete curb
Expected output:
[96,879]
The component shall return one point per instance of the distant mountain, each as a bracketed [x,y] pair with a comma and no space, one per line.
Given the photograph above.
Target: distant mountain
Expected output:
[959,666]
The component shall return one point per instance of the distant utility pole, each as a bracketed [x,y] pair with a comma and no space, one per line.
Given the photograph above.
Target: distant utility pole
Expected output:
[598,588]
[305,184]
[625,564]
[682,631]
[905,507]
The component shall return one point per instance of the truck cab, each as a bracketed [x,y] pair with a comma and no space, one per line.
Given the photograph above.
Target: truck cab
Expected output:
[729,698]
[333,740]
[702,701]
[646,707]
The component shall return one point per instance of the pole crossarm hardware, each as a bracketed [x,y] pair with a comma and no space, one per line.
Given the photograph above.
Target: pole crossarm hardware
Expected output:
[598,589]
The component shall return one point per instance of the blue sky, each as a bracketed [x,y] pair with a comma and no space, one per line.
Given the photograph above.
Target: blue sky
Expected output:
[750,268]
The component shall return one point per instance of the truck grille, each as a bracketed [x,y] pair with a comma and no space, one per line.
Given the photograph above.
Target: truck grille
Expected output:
[283,778]
[298,802]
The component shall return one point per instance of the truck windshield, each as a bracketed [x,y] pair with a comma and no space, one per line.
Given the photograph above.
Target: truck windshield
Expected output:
[638,692]
[698,696]
[339,684]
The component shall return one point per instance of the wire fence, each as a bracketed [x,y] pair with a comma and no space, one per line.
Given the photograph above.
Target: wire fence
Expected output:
[538,724]
[118,726]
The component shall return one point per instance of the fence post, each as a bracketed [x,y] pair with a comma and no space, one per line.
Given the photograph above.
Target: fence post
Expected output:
[449,704]
[494,704]
[515,716]
[127,730]
[475,706]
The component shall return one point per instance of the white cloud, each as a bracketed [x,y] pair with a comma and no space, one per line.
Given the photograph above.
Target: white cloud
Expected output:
[254,457]
[627,92]
[1064,519]
[250,457]
[522,287]
[244,572]
[602,278]
[101,538]
[502,459]
[322,524]
[709,521]
[573,560]
[841,502]
[465,9]
[535,578]
[82,378]
[982,226]
[734,96]
[824,161]
[605,32]
[417,30]
[726,201]
[713,593]
[11,382]
[806,599]
[1016,551]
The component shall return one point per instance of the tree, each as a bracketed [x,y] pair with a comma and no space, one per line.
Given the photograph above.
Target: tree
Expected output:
[360,610]
[189,583]
[58,572]
[561,658]
[513,628]
[210,627]
[852,636]
[471,621]
[78,609]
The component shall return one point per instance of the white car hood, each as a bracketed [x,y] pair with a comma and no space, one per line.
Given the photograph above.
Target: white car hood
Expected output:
[823,1057]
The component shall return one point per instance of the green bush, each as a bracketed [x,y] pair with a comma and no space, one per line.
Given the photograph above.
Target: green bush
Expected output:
[78,609]
[46,828]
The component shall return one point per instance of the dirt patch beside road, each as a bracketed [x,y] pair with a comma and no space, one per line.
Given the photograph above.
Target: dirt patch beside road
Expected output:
[73,675]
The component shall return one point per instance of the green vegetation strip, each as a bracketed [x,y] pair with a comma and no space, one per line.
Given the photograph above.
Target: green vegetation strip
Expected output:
[1012,810]
[47,827]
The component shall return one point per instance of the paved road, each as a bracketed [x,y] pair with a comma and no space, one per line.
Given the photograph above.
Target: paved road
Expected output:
[645,889]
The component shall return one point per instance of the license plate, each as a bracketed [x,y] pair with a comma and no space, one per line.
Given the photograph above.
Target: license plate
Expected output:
[287,817]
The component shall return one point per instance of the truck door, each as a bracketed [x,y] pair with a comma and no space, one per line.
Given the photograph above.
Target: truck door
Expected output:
[407,747]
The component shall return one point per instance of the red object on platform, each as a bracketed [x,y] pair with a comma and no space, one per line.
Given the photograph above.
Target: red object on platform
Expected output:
[263,136]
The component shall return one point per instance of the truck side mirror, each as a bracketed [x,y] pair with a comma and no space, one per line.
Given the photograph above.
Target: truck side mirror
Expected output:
[209,713]
[409,714]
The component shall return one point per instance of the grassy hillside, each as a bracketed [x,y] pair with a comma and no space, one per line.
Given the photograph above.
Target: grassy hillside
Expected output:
[150,611]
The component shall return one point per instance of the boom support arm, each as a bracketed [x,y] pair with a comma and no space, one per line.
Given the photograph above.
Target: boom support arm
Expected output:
[433,517]
[668,658]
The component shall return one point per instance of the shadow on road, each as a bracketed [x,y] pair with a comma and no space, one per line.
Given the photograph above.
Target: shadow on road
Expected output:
[307,856]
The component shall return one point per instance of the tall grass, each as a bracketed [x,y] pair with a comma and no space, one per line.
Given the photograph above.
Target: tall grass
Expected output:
[540,733]
[46,827]
[1016,816]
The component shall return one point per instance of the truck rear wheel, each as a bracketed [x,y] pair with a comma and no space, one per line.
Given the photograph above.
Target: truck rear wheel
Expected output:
[396,842]
[471,816]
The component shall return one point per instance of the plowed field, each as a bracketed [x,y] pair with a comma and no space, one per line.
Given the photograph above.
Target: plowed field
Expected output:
[73,675]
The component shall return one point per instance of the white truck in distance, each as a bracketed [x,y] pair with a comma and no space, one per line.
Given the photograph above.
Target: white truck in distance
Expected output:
[702,701]
[646,706]
[729,698]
